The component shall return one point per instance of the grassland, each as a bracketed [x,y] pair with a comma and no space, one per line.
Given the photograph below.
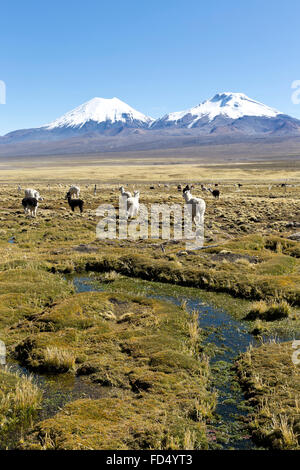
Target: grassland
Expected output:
[271,382]
[149,353]
[149,167]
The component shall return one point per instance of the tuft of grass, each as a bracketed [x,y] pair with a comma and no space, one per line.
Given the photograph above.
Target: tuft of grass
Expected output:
[20,398]
[27,396]
[269,311]
[111,276]
[58,359]
[189,440]
[194,333]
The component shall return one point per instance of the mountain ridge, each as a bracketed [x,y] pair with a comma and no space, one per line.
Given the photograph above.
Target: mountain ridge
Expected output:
[112,123]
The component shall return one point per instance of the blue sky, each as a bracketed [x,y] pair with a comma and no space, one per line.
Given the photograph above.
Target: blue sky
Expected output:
[157,56]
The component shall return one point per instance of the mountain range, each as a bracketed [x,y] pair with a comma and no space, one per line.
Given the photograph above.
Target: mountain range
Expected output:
[102,125]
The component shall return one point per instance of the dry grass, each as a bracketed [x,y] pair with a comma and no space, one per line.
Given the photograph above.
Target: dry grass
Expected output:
[270,311]
[273,384]
[58,359]
[164,166]
[194,333]
[20,398]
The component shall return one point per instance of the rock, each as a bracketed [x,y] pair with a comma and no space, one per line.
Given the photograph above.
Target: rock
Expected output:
[85,248]
[295,236]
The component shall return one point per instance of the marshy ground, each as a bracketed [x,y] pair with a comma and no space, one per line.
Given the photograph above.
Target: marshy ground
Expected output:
[144,367]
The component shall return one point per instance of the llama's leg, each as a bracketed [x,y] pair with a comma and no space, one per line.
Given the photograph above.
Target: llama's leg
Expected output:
[197,217]
[194,213]
[130,212]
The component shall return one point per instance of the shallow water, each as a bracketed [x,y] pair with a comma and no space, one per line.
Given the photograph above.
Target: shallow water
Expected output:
[58,390]
[231,338]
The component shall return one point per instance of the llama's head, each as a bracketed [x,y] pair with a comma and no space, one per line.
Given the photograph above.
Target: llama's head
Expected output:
[37,196]
[136,194]
[186,194]
[68,195]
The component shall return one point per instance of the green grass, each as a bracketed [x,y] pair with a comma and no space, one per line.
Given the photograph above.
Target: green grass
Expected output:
[20,398]
[272,383]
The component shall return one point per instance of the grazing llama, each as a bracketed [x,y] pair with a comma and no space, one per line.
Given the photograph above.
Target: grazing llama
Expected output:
[133,205]
[29,192]
[74,191]
[124,193]
[30,205]
[215,193]
[198,207]
[74,202]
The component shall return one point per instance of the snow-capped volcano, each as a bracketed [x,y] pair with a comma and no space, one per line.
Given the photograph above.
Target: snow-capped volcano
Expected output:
[227,105]
[99,111]
[110,124]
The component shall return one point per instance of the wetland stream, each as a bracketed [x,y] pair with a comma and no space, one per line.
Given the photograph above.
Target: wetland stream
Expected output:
[225,338]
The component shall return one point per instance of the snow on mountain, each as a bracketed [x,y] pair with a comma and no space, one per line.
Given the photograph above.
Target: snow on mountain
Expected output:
[100,110]
[227,105]
[101,124]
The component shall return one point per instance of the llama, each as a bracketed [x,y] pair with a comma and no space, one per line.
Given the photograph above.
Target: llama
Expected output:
[74,202]
[133,205]
[203,188]
[198,207]
[215,193]
[29,192]
[30,205]
[125,193]
[74,191]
